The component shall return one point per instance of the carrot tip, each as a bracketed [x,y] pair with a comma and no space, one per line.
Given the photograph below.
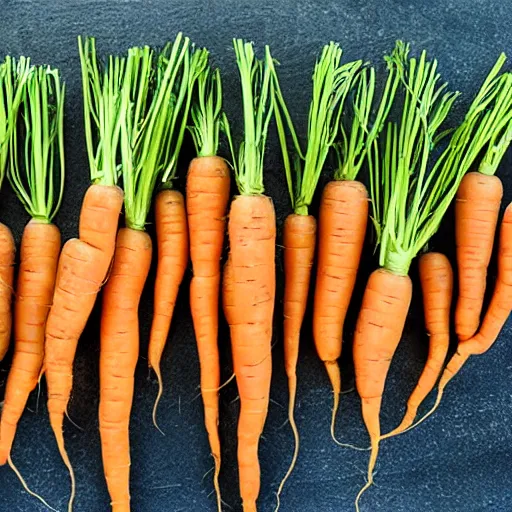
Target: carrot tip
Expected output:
[158,374]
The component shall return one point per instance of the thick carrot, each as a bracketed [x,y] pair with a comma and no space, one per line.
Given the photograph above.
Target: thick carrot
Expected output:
[7,254]
[208,186]
[249,279]
[252,233]
[341,232]
[118,358]
[40,248]
[476,215]
[172,250]
[494,319]
[82,271]
[436,278]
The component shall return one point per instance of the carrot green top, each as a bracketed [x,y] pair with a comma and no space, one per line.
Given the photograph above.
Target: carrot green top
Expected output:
[102,111]
[37,176]
[206,112]
[13,77]
[255,79]
[153,121]
[408,201]
[332,82]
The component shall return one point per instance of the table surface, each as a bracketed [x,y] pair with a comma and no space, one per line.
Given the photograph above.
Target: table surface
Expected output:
[457,461]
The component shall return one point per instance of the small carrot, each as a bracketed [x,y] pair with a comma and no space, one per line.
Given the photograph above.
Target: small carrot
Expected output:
[332,82]
[250,272]
[13,79]
[84,262]
[494,319]
[39,184]
[404,220]
[208,187]
[436,278]
[171,227]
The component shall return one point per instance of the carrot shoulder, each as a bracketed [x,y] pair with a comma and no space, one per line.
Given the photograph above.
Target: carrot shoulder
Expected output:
[7,254]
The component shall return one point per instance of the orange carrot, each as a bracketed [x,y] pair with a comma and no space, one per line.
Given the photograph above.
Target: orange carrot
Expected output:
[118,357]
[436,279]
[476,215]
[341,232]
[494,319]
[40,248]
[172,250]
[84,262]
[208,185]
[7,254]
[249,281]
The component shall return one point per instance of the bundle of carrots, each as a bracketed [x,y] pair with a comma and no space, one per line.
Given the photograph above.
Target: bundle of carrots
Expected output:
[137,111]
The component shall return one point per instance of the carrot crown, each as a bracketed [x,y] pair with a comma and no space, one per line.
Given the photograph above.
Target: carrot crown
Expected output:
[400,183]
[37,176]
[102,111]
[255,79]
[332,82]
[152,127]
[13,77]
[206,112]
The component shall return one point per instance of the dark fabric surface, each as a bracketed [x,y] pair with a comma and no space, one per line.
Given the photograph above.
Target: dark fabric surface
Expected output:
[457,461]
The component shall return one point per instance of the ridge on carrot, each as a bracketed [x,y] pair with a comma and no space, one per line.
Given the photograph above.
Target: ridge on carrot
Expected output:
[406,216]
[249,274]
[13,78]
[170,214]
[36,173]
[84,262]
[148,118]
[332,82]
[207,196]
[484,134]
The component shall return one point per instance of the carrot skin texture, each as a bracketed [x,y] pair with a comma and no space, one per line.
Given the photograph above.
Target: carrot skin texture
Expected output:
[207,196]
[476,214]
[251,272]
[380,324]
[7,255]
[39,254]
[118,358]
[342,224]
[173,250]
[436,277]
[81,272]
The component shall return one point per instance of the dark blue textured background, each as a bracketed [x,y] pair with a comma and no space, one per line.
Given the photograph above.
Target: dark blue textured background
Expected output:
[458,461]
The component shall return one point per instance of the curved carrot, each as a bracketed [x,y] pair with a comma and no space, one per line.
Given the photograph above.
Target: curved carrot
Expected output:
[379,328]
[494,319]
[81,272]
[252,232]
[118,358]
[208,186]
[341,232]
[7,254]
[476,215]
[172,249]
[40,247]
[436,277]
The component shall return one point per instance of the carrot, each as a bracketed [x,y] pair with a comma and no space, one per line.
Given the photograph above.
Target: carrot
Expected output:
[494,319]
[476,215]
[332,82]
[13,79]
[251,269]
[84,262]
[208,186]
[436,278]
[406,217]
[39,184]
[171,226]
[145,137]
